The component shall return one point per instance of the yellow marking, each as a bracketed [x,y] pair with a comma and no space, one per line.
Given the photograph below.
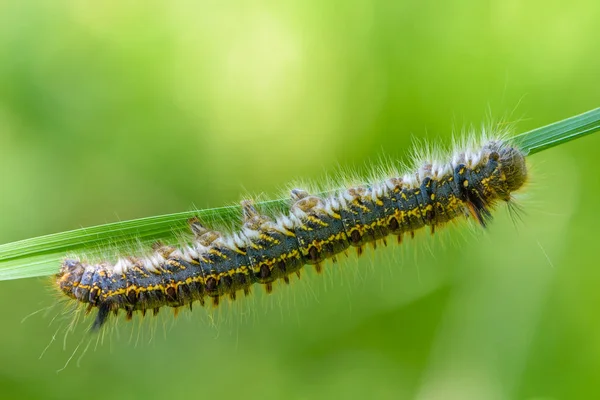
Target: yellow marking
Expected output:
[361,206]
[466,183]
[288,233]
[175,263]
[317,220]
[268,238]
[305,227]
[427,208]
[216,252]
[239,251]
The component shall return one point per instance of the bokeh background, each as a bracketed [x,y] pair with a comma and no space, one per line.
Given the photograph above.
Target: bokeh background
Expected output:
[117,110]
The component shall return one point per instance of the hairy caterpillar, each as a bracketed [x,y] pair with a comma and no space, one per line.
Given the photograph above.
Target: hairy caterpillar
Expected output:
[469,183]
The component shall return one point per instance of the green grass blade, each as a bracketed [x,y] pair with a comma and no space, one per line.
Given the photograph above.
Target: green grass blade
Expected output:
[559,132]
[41,256]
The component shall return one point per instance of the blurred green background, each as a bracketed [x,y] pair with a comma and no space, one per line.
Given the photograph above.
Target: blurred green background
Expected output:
[117,110]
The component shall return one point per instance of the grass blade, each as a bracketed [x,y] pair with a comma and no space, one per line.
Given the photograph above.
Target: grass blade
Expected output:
[559,132]
[41,256]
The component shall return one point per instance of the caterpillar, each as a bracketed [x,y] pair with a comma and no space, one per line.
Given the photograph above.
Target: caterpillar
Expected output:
[468,184]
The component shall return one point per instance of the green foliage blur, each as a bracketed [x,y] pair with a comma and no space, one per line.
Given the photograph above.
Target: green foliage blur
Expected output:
[118,110]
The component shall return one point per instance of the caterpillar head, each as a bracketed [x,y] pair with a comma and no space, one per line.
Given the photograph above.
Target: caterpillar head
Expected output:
[511,167]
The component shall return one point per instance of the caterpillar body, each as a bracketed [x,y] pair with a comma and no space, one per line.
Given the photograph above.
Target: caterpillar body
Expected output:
[469,184]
